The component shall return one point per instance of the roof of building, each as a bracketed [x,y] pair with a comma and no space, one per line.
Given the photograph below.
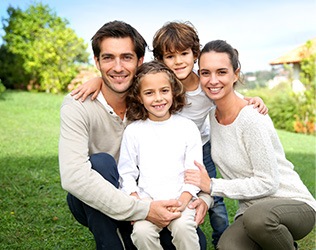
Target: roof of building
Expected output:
[296,55]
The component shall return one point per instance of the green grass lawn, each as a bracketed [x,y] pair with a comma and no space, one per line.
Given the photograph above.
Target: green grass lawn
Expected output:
[33,209]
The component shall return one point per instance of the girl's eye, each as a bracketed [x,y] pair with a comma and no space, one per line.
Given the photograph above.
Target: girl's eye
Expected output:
[222,72]
[165,90]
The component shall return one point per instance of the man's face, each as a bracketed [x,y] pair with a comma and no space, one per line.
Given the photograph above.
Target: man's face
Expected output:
[117,63]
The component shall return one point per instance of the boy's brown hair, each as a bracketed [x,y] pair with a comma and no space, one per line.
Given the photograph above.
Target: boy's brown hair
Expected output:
[175,37]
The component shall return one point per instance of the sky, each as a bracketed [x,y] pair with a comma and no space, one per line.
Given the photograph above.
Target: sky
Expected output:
[261,30]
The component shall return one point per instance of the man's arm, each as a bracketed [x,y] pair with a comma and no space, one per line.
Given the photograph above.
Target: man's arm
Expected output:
[77,176]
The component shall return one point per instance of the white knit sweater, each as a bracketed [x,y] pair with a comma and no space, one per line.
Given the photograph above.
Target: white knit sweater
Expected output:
[251,159]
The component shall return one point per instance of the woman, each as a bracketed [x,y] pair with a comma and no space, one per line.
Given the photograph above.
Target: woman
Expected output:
[275,207]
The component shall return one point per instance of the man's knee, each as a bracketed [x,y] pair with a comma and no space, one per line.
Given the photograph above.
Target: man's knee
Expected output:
[106,166]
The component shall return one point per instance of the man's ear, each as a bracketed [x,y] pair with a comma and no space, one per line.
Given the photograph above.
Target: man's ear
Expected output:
[97,62]
[140,61]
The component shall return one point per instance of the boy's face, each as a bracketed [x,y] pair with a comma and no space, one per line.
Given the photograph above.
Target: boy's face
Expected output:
[180,62]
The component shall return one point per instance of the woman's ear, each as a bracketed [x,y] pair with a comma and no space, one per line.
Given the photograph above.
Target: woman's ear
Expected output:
[237,72]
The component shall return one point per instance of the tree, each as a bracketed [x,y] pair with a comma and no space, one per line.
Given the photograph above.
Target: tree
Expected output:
[39,50]
[305,118]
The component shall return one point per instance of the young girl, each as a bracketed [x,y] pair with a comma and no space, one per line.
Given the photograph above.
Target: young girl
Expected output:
[156,149]
[275,207]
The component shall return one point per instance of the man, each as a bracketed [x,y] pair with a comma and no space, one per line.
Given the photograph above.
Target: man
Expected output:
[90,138]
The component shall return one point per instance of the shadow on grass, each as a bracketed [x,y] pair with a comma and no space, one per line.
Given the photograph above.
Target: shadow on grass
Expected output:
[33,208]
[34,211]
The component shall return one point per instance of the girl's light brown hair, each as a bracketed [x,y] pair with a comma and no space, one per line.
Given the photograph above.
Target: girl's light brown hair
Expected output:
[135,109]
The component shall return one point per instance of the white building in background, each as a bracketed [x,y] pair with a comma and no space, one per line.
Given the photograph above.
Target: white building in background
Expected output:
[293,58]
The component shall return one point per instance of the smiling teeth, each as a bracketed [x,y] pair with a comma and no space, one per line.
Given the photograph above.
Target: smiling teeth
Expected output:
[159,106]
[215,89]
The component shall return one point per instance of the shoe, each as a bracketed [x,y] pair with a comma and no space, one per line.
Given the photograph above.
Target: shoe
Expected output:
[295,245]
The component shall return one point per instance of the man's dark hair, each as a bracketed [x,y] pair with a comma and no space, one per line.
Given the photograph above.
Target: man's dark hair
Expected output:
[119,29]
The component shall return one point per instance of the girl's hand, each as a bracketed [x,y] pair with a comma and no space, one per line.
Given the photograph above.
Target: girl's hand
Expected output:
[199,178]
[258,104]
[91,86]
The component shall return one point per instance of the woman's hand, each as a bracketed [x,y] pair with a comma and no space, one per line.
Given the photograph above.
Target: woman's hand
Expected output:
[199,178]
[258,104]
[91,86]
[201,209]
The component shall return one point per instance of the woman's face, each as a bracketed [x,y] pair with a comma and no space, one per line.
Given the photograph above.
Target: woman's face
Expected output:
[217,75]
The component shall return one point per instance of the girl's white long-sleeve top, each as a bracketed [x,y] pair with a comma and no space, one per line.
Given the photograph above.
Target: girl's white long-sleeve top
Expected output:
[251,159]
[154,156]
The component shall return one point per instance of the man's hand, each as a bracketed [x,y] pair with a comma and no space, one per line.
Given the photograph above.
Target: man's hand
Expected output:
[200,210]
[159,213]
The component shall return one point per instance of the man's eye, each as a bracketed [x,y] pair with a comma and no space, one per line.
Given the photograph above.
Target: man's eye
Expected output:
[128,58]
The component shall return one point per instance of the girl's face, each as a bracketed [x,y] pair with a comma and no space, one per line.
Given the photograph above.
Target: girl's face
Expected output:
[217,75]
[156,95]
[181,63]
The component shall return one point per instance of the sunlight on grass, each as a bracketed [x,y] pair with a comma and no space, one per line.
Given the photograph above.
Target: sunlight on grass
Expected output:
[33,209]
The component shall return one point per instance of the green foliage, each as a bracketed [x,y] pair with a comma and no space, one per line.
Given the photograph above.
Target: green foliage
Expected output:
[33,209]
[2,88]
[281,103]
[306,100]
[39,52]
[258,79]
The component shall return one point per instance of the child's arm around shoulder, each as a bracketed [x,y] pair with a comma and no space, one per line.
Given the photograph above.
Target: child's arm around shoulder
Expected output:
[258,104]
[91,86]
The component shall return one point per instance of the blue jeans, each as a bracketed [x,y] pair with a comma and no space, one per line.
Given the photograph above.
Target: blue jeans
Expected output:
[218,213]
[104,228]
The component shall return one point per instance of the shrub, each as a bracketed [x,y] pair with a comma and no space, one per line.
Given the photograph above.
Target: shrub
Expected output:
[2,88]
[281,103]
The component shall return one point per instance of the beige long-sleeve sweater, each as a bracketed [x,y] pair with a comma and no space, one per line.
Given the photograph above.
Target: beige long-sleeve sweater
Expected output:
[88,128]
